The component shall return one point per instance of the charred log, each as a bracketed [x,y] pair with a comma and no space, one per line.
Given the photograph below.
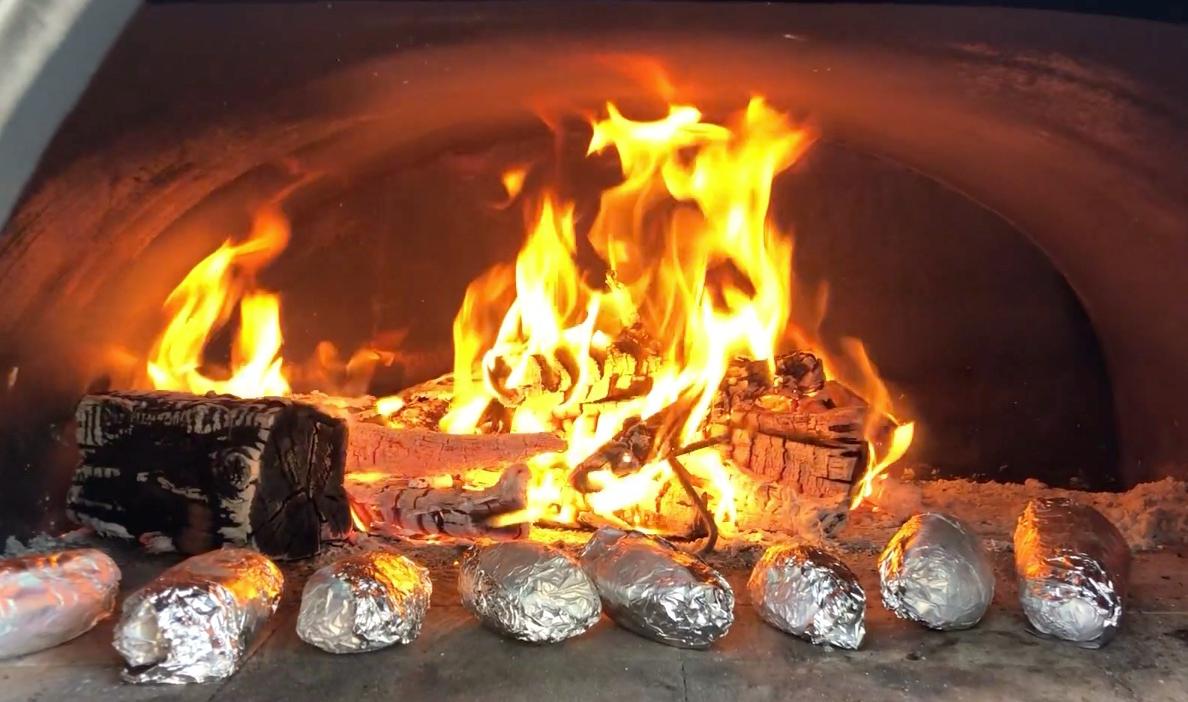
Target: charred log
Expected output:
[209,470]
[797,374]
[424,404]
[628,451]
[422,452]
[403,507]
[413,448]
[791,426]
[817,443]
[623,368]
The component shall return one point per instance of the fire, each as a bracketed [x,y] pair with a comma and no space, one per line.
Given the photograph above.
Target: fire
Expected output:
[205,300]
[359,517]
[386,406]
[901,439]
[682,258]
[691,258]
[208,298]
[513,181]
[859,372]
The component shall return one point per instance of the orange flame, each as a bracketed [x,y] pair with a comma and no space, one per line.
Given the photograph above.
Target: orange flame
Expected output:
[208,297]
[513,181]
[204,301]
[691,257]
[901,439]
[688,255]
[855,367]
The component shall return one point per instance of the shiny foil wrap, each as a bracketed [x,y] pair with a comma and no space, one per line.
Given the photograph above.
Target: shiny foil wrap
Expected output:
[195,621]
[364,603]
[528,591]
[651,588]
[1073,565]
[808,592]
[48,599]
[936,571]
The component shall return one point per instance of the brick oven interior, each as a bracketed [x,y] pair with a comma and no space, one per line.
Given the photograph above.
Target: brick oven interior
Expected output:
[992,202]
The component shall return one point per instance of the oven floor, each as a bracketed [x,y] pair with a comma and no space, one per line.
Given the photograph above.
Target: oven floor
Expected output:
[455,659]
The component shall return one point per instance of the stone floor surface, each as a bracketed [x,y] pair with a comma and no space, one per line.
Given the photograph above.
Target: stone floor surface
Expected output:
[456,659]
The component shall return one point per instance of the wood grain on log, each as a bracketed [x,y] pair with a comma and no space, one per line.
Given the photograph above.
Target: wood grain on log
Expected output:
[821,453]
[209,470]
[403,507]
[413,453]
[816,443]
[415,448]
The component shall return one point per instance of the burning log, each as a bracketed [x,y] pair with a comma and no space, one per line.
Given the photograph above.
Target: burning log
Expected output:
[821,453]
[641,442]
[411,453]
[413,449]
[395,506]
[760,506]
[797,438]
[624,368]
[672,512]
[794,427]
[209,470]
[423,405]
[777,430]
[795,374]
[628,451]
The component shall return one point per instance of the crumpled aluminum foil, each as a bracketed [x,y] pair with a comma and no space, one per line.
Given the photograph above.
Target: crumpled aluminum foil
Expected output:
[194,622]
[936,571]
[657,591]
[1073,565]
[808,592]
[528,591]
[364,603]
[49,599]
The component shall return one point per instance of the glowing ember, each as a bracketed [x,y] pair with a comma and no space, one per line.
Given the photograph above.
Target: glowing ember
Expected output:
[387,406]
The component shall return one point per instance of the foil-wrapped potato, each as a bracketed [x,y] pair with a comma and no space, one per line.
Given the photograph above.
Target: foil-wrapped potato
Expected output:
[195,622]
[936,571]
[657,591]
[364,603]
[1073,565]
[528,591]
[808,592]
